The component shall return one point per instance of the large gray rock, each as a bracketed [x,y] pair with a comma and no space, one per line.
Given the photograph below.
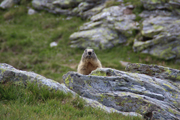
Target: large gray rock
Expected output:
[98,38]
[67,7]
[87,10]
[156,71]
[155,4]
[159,35]
[10,74]
[172,5]
[83,8]
[106,29]
[8,3]
[67,3]
[155,93]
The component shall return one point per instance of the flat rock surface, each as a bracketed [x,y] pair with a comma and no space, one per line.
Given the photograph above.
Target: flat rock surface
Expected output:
[154,94]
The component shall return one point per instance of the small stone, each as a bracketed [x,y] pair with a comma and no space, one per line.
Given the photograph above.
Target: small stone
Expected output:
[68,18]
[53,44]
[31,11]
[6,4]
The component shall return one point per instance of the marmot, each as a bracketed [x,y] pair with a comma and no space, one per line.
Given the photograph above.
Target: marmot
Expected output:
[89,62]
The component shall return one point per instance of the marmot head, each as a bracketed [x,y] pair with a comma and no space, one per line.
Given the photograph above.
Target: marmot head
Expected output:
[89,54]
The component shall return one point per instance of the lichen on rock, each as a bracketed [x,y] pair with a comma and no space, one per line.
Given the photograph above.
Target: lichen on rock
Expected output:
[150,89]
[110,27]
[159,36]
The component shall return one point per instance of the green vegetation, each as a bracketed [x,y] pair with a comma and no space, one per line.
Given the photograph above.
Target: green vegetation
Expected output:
[112,3]
[21,103]
[25,42]
[138,7]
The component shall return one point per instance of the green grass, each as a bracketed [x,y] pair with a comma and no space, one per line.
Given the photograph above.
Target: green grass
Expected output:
[138,7]
[21,103]
[25,41]
[110,3]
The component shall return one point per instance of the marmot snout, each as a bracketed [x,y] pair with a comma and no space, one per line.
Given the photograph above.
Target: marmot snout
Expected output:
[89,62]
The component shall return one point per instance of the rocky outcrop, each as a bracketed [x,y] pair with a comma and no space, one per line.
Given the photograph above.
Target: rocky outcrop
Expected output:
[172,5]
[66,7]
[159,35]
[153,91]
[159,29]
[10,74]
[106,29]
[173,75]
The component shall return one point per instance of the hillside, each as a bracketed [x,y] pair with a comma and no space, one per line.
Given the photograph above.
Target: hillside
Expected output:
[25,44]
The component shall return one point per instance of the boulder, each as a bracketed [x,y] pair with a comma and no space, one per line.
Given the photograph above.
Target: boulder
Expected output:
[172,5]
[106,29]
[98,38]
[152,91]
[155,4]
[159,35]
[8,3]
[156,71]
[19,77]
[87,10]
[66,3]
[66,7]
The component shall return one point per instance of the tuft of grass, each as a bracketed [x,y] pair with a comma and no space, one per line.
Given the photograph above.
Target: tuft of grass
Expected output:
[25,2]
[138,7]
[110,3]
[15,12]
[31,94]
[78,102]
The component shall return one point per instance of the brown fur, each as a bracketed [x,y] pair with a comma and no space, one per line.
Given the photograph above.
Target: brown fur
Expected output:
[89,62]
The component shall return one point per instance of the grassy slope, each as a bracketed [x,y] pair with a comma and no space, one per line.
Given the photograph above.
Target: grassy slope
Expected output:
[19,103]
[25,43]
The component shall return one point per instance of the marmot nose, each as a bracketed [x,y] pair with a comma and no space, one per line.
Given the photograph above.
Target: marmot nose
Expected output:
[89,53]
